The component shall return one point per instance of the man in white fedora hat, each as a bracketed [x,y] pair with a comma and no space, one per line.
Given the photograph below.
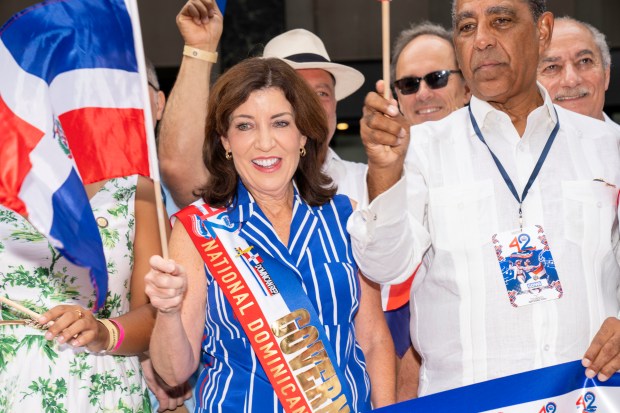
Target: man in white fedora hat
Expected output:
[181,134]
[305,52]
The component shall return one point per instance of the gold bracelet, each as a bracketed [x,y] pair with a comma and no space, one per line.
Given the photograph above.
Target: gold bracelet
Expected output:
[112,333]
[199,54]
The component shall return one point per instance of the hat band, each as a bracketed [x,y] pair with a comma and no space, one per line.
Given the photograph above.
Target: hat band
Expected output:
[306,58]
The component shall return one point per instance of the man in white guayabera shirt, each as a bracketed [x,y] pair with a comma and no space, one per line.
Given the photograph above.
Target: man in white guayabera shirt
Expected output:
[575,68]
[509,178]
[429,86]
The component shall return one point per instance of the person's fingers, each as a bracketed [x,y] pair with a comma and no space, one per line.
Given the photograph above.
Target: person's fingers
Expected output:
[378,103]
[380,88]
[83,338]
[609,369]
[376,129]
[201,10]
[212,7]
[165,299]
[69,322]
[378,122]
[53,314]
[165,266]
[603,355]
[62,316]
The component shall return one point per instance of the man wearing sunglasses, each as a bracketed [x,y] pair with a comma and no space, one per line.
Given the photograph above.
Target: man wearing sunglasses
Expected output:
[511,177]
[428,86]
[428,82]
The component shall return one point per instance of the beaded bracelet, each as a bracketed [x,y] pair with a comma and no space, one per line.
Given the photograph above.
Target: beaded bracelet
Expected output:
[121,333]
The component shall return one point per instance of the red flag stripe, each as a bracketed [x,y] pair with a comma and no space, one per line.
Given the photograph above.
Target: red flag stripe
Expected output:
[17,140]
[107,143]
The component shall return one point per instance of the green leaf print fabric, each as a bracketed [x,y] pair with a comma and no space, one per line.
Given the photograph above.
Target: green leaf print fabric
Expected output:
[37,375]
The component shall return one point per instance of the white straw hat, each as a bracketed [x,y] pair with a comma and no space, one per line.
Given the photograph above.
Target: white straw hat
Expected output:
[302,49]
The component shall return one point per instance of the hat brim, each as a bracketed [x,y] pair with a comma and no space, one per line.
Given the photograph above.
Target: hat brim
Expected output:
[348,80]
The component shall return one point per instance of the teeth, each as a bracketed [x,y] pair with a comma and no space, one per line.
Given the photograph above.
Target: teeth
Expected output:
[428,110]
[561,98]
[265,163]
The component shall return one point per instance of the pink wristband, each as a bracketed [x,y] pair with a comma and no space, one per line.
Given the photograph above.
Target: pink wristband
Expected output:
[121,333]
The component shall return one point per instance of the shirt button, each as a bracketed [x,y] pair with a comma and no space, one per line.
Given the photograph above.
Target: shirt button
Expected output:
[522,148]
[460,205]
[547,347]
[599,204]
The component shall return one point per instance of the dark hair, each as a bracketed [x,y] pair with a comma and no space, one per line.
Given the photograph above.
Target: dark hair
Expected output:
[537,7]
[230,91]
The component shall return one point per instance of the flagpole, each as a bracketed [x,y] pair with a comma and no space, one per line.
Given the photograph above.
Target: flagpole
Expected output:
[385,36]
[132,7]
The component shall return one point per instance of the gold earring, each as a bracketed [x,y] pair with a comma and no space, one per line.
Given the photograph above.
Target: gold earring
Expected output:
[302,151]
[228,155]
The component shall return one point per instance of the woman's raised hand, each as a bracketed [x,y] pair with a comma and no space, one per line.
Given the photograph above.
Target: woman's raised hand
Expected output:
[166,284]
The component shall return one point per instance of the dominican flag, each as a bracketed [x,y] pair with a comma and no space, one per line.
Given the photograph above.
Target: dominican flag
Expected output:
[71,113]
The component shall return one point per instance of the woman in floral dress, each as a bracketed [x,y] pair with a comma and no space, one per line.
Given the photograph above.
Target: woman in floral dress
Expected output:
[63,369]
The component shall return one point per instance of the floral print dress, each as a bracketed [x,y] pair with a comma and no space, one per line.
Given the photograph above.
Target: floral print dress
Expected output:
[37,375]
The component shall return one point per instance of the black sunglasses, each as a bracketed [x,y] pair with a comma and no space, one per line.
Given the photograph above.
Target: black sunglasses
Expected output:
[434,80]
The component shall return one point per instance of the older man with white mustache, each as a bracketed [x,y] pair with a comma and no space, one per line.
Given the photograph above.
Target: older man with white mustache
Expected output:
[575,68]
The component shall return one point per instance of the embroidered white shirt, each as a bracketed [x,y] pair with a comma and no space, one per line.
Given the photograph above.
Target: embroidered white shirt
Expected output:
[455,199]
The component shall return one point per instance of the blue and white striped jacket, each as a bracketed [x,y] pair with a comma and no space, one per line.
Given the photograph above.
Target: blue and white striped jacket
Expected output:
[319,252]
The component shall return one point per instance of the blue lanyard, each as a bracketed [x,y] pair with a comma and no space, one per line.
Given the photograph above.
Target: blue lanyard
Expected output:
[503,172]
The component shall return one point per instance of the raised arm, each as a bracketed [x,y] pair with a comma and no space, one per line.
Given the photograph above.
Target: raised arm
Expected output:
[385,134]
[182,126]
[388,236]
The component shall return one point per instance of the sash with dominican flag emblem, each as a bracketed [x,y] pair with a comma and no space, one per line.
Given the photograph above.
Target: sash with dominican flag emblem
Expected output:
[277,316]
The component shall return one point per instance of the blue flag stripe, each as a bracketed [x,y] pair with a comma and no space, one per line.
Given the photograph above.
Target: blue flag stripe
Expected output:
[52,26]
[74,224]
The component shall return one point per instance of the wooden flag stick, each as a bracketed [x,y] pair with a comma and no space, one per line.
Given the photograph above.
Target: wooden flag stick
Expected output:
[132,7]
[385,36]
[161,220]
[34,316]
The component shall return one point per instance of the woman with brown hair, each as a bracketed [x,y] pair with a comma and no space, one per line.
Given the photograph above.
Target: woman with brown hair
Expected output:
[263,289]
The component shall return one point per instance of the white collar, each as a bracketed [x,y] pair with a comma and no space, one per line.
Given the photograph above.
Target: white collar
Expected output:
[482,109]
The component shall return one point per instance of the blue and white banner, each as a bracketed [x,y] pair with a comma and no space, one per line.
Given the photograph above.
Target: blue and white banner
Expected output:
[558,389]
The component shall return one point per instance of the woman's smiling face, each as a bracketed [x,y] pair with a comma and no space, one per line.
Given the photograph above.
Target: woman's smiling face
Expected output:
[265,143]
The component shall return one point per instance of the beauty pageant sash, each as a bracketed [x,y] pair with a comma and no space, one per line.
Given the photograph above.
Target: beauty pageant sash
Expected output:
[275,312]
[558,389]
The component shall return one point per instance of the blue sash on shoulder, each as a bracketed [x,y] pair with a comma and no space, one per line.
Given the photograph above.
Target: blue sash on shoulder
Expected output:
[275,313]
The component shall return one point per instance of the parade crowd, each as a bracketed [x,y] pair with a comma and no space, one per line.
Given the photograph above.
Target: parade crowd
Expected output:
[480,240]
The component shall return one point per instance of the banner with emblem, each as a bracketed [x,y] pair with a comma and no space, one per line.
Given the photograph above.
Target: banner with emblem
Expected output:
[277,316]
[558,389]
